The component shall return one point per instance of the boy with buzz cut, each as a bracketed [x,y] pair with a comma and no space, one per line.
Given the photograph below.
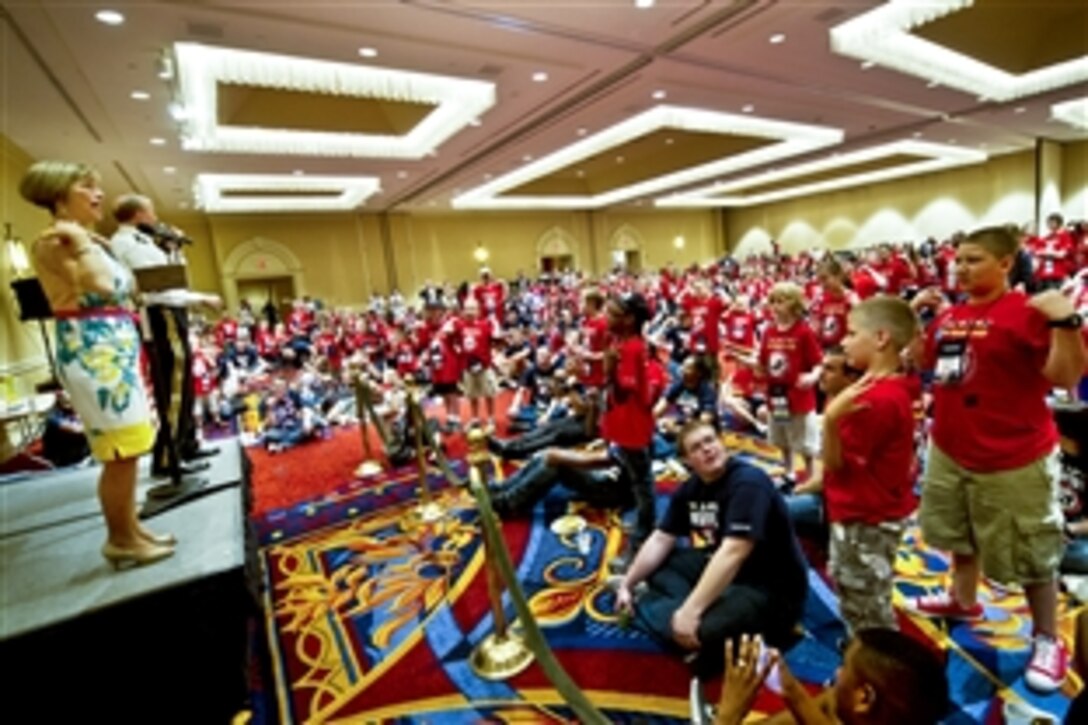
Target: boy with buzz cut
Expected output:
[990,495]
[869,461]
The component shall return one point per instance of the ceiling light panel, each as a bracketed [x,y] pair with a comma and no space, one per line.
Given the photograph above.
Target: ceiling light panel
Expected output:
[865,166]
[884,36]
[241,193]
[202,69]
[784,139]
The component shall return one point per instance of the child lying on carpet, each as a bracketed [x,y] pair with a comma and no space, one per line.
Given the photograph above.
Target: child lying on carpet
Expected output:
[886,677]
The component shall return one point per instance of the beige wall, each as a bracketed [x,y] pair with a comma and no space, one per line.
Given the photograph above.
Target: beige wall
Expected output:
[21,353]
[1075,181]
[999,191]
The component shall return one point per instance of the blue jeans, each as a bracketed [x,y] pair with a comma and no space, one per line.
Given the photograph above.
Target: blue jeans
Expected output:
[806,511]
[1075,558]
[536,479]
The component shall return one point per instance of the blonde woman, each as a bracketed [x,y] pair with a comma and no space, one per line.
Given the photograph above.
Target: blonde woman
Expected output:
[98,347]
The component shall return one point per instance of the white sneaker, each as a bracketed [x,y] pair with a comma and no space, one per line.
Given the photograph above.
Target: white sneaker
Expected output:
[1048,664]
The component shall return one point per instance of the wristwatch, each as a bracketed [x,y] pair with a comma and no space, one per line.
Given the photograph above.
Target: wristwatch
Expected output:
[1071,322]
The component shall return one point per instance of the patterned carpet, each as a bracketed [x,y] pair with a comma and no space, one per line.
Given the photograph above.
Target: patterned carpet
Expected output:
[373,614]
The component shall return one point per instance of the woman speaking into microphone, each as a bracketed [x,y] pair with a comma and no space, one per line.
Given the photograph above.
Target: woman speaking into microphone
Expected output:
[98,347]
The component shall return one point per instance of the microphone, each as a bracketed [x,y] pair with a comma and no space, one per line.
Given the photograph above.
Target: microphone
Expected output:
[163,233]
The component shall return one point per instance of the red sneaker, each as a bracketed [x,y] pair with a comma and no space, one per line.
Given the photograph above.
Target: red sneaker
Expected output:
[1048,665]
[945,606]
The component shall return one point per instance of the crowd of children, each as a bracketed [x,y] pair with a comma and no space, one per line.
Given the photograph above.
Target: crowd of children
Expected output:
[947,354]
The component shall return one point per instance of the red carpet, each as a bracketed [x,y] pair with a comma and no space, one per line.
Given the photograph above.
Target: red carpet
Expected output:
[316,468]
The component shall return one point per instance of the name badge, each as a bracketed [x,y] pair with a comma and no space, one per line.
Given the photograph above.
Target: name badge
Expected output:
[780,402]
[951,361]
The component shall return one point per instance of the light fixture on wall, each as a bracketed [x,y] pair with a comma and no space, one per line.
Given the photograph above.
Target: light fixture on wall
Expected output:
[678,242]
[480,254]
[16,253]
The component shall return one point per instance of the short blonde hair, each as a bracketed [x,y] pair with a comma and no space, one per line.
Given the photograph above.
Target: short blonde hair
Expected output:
[47,182]
[890,314]
[790,293]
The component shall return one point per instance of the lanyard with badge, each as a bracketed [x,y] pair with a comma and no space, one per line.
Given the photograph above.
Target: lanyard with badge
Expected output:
[780,401]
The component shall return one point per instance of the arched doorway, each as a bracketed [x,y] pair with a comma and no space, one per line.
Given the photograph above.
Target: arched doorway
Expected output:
[626,249]
[261,270]
[555,250]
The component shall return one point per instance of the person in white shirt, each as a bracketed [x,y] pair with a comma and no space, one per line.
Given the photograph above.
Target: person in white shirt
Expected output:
[135,245]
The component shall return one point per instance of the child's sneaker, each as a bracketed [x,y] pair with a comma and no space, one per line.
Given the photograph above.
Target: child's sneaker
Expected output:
[1048,664]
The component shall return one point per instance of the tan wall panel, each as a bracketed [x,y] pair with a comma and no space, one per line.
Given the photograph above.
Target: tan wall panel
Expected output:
[999,191]
[21,351]
[1075,181]
[337,263]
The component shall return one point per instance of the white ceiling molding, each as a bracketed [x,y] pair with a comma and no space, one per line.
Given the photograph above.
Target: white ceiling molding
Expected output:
[202,68]
[350,192]
[1074,113]
[882,35]
[938,157]
[793,139]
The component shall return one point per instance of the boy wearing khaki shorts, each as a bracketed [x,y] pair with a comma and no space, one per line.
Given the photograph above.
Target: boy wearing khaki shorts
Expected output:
[991,489]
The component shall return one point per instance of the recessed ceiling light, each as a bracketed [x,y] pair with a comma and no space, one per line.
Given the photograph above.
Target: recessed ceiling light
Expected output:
[670,141]
[951,140]
[158,141]
[659,95]
[777,38]
[527,157]
[488,177]
[402,174]
[583,131]
[866,65]
[644,3]
[139,95]
[109,17]
[168,170]
[298,172]
[1020,109]
[183,205]
[932,84]
[748,108]
[580,173]
[540,76]
[368,52]
[619,159]
[475,122]
[917,134]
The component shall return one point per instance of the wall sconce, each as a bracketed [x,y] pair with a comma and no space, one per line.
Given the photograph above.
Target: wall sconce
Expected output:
[16,253]
[678,242]
[481,254]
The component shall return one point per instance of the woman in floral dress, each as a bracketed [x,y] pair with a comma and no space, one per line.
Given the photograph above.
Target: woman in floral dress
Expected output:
[98,348]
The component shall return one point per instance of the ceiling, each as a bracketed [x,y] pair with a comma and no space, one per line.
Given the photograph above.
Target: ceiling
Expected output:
[67,82]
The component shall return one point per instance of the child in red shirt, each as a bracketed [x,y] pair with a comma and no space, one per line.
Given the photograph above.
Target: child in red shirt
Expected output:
[991,480]
[790,357]
[869,461]
[628,423]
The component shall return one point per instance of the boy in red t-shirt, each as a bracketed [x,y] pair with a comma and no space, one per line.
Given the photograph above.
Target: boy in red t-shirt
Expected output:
[478,381]
[991,480]
[869,461]
[627,424]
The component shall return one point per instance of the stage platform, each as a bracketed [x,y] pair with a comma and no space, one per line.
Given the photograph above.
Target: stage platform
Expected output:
[172,637]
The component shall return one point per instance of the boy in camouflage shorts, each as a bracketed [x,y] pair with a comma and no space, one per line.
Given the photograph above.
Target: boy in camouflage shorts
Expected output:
[869,463]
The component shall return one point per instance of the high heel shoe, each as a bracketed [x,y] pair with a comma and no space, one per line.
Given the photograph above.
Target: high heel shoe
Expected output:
[121,558]
[159,539]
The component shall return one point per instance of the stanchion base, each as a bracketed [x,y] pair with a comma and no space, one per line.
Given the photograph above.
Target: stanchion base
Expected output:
[429,512]
[500,658]
[366,469]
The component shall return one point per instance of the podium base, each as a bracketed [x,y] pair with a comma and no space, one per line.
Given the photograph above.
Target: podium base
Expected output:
[168,495]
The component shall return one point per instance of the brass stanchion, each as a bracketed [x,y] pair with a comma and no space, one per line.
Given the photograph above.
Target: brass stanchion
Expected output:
[428,509]
[503,653]
[363,400]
